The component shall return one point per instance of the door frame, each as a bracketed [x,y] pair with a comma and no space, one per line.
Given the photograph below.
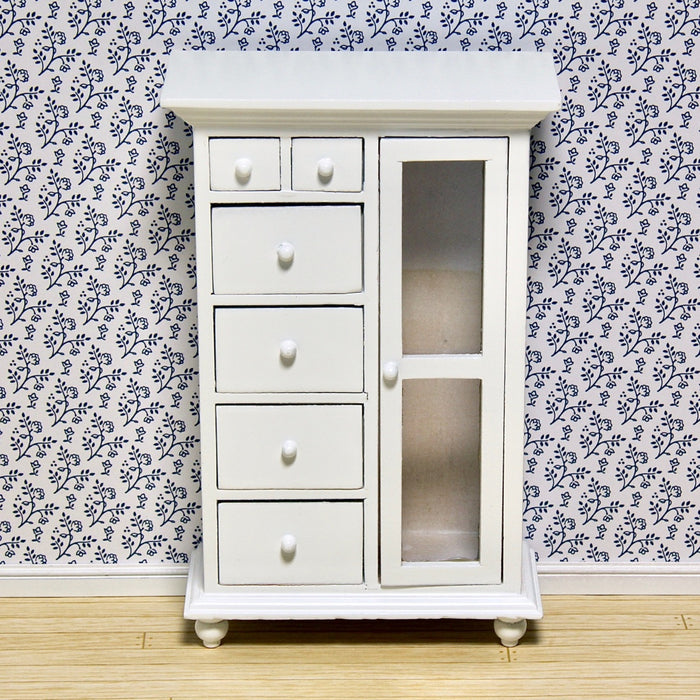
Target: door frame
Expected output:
[487,366]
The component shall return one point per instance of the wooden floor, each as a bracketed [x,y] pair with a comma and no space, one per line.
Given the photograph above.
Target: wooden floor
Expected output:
[138,648]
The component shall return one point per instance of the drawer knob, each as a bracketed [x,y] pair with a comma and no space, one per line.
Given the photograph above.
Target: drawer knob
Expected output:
[288,351]
[288,547]
[285,253]
[325,169]
[243,169]
[289,451]
[390,372]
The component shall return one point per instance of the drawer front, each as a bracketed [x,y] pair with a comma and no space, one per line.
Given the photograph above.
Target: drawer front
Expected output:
[291,542]
[333,165]
[287,249]
[289,447]
[288,349]
[244,164]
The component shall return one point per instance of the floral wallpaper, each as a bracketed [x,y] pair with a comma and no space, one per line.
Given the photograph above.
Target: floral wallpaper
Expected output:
[99,438]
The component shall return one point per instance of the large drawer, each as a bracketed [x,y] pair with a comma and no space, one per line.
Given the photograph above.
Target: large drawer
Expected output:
[311,542]
[286,249]
[306,349]
[289,447]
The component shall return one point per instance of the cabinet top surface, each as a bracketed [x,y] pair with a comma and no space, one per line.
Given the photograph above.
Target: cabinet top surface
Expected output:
[210,87]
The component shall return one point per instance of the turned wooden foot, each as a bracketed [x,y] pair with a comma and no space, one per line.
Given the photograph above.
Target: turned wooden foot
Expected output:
[510,630]
[211,632]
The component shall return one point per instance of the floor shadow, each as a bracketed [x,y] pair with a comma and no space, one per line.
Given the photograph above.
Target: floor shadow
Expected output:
[353,632]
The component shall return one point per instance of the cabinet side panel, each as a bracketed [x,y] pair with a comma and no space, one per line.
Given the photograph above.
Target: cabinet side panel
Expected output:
[206,354]
[516,314]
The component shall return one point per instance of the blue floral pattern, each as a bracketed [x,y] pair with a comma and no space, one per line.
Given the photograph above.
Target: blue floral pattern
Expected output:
[98,337]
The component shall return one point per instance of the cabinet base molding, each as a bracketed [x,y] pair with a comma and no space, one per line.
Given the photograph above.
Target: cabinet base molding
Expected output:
[510,610]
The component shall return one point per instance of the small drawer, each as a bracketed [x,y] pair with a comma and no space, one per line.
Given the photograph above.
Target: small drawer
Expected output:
[244,164]
[334,165]
[303,349]
[293,542]
[286,249]
[289,447]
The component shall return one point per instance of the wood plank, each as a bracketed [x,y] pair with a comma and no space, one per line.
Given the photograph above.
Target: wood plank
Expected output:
[383,669]
[586,621]
[605,637]
[625,605]
[359,688]
[95,625]
[83,691]
[422,657]
[287,658]
[571,654]
[76,641]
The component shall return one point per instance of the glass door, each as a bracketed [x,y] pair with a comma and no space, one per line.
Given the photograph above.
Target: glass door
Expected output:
[442,325]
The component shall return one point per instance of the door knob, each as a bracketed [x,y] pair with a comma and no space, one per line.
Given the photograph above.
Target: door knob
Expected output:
[289,451]
[288,547]
[288,351]
[390,372]
[285,253]
[243,169]
[325,168]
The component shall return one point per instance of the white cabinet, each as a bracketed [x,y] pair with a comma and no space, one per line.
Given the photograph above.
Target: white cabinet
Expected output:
[361,263]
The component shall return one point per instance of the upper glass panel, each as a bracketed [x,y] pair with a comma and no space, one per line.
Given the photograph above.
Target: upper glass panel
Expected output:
[442,256]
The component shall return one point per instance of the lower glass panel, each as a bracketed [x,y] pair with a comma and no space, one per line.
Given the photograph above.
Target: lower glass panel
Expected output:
[440,510]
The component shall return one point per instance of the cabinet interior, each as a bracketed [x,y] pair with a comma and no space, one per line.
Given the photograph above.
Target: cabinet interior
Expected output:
[441,472]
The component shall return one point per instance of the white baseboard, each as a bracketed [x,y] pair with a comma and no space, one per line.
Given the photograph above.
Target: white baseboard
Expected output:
[72,581]
[165,580]
[619,579]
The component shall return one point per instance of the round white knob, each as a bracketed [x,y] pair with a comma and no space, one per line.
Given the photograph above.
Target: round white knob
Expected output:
[288,546]
[325,169]
[243,168]
[285,253]
[390,372]
[288,351]
[289,451]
